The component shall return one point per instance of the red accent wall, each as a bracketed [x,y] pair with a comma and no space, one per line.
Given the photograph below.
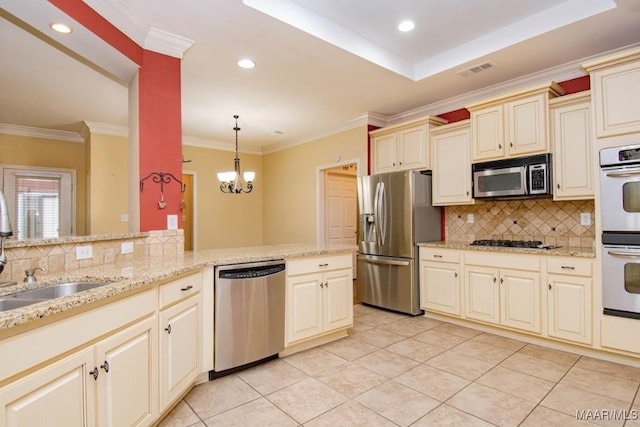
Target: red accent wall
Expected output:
[160,123]
[576,85]
[456,115]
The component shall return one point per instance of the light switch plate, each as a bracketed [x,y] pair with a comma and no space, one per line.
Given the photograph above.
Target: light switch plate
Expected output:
[84,252]
[585,218]
[124,217]
[172,222]
[126,247]
[470,218]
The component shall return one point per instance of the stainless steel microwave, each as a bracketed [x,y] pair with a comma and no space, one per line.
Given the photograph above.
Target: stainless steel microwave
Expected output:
[518,177]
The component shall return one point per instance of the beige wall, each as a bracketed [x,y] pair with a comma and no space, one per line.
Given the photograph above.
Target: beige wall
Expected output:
[290,182]
[29,151]
[107,184]
[225,220]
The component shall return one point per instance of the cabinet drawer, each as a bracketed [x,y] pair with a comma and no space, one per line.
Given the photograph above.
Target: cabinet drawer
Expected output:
[318,264]
[180,289]
[503,260]
[443,255]
[572,266]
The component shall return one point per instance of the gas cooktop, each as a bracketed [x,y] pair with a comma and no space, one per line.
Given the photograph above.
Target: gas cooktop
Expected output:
[529,244]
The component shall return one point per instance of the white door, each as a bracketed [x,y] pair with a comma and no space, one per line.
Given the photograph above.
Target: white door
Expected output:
[341,209]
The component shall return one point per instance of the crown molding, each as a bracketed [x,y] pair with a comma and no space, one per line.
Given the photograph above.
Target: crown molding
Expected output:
[34,132]
[217,145]
[167,43]
[104,129]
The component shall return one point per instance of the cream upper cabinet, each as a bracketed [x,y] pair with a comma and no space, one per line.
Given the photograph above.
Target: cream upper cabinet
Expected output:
[512,125]
[615,87]
[440,280]
[452,164]
[572,147]
[403,146]
[569,299]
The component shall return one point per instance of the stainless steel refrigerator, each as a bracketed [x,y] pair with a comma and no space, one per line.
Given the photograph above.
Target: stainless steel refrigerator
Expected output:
[395,215]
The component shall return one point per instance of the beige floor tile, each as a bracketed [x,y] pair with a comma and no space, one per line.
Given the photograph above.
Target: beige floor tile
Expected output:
[257,413]
[433,382]
[359,327]
[605,367]
[271,376]
[484,351]
[546,417]
[541,368]
[306,400]
[416,350]
[351,380]
[516,383]
[349,348]
[439,338]
[604,384]
[460,364]
[550,354]
[222,394]
[386,363]
[570,400]
[491,405]
[360,309]
[398,403]
[410,326]
[180,416]
[314,361]
[460,331]
[447,416]
[498,341]
[350,414]
[379,318]
[378,337]
[633,417]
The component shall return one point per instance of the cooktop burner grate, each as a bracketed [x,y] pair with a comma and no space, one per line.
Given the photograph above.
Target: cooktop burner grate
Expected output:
[533,244]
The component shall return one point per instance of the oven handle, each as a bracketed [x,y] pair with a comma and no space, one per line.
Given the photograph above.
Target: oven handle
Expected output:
[622,173]
[625,254]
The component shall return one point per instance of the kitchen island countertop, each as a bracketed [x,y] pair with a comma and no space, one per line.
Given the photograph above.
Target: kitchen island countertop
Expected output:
[139,273]
[559,251]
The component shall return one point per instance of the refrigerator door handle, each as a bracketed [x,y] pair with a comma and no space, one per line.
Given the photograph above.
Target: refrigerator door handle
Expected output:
[382,214]
[376,212]
[383,261]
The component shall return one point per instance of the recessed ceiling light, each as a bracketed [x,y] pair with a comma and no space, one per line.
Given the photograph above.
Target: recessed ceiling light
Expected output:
[61,28]
[405,26]
[246,63]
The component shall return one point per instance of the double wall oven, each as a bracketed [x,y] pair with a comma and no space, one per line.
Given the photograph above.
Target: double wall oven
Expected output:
[620,215]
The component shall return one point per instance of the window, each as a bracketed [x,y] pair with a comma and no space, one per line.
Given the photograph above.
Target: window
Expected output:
[40,201]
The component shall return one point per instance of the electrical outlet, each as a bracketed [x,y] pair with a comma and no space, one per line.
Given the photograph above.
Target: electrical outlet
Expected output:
[126,248]
[470,218]
[126,271]
[585,218]
[172,222]
[84,252]
[124,217]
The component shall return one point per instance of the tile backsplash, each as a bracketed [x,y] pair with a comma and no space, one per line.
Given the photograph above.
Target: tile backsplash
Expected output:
[552,222]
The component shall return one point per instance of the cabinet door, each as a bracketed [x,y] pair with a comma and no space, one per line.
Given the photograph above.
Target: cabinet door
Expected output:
[440,287]
[128,376]
[572,152]
[520,300]
[616,94]
[483,296]
[569,308]
[304,307]
[384,153]
[59,395]
[337,300]
[452,185]
[179,348]
[487,133]
[413,149]
[527,124]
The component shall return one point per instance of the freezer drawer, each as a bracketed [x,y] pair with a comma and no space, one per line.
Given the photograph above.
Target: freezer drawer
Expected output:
[388,282]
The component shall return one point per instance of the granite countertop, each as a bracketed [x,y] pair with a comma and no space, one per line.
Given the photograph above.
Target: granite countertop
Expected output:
[130,275]
[559,251]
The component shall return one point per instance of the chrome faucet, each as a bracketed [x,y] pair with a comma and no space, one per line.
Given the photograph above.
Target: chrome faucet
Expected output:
[31,274]
[5,229]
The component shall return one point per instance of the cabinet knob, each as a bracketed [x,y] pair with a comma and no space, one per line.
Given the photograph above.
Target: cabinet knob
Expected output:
[467,192]
[94,373]
[558,185]
[105,366]
[511,144]
[455,274]
[168,329]
[549,286]
[394,163]
[400,163]
[501,280]
[500,146]
[494,280]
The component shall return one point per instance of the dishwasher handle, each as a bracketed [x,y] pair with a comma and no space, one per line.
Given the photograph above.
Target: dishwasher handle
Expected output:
[250,271]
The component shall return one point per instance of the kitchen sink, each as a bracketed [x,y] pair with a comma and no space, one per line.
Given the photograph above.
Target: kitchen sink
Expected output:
[33,296]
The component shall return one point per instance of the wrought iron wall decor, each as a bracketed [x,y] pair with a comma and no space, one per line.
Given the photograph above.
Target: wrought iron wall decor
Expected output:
[162,178]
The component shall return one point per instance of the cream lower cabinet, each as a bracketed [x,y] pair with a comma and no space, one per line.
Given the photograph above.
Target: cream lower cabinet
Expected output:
[452,164]
[319,296]
[440,281]
[569,299]
[111,383]
[180,337]
[500,295]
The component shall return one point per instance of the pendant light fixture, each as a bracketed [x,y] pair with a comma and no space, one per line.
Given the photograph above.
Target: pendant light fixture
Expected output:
[232,182]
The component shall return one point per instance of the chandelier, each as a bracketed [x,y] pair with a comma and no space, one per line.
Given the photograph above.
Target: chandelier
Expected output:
[232,182]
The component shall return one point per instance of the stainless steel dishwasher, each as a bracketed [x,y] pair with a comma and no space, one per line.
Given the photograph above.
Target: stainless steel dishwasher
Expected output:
[249,314]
